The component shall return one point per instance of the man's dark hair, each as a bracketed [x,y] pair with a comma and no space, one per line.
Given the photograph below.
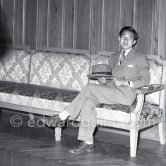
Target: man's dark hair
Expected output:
[128,28]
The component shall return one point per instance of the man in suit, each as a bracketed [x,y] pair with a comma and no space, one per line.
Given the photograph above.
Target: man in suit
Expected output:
[130,70]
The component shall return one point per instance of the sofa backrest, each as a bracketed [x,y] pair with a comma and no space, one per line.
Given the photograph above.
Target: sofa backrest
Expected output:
[158,74]
[64,70]
[59,70]
[14,65]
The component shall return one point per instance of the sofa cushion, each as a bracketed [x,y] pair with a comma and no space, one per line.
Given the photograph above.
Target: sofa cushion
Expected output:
[14,66]
[55,100]
[59,70]
[35,96]
[156,75]
[149,111]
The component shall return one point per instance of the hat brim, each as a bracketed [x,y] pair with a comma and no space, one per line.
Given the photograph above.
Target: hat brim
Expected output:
[97,76]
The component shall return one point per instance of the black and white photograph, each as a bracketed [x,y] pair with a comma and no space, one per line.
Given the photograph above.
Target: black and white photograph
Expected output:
[82,82]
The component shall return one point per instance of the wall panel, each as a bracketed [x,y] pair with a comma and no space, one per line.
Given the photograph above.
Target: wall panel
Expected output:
[42,27]
[96,26]
[55,24]
[144,25]
[30,23]
[162,28]
[111,25]
[155,28]
[91,25]
[127,12]
[7,21]
[68,24]
[18,22]
[83,24]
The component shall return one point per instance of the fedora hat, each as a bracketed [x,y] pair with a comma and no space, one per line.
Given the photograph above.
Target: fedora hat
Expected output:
[100,70]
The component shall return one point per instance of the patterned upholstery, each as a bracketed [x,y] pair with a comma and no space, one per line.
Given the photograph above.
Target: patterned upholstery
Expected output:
[14,66]
[52,99]
[35,96]
[149,111]
[59,70]
[156,74]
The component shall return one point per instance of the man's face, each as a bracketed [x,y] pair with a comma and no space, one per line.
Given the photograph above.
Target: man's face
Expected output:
[127,40]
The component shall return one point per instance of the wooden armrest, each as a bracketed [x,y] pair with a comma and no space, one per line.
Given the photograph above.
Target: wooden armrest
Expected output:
[150,88]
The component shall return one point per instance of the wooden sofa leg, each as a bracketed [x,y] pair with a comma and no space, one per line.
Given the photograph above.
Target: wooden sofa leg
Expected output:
[58,131]
[133,142]
[162,132]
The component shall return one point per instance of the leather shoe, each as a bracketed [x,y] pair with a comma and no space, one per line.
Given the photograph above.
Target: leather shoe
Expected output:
[83,147]
[54,121]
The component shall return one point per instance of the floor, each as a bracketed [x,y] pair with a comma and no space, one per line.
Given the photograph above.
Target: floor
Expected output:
[34,145]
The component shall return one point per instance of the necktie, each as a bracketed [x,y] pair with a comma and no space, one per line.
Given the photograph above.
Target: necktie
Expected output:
[122,57]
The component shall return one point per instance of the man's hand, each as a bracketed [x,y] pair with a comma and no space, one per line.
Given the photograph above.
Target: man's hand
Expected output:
[121,83]
[102,81]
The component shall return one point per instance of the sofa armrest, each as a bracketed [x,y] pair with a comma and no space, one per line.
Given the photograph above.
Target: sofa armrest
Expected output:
[141,92]
[135,115]
[150,88]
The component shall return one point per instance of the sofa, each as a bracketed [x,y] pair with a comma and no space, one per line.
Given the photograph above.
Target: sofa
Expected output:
[44,82]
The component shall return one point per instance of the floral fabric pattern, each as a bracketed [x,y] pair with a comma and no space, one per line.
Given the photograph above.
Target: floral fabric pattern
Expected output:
[37,91]
[149,111]
[59,70]
[156,74]
[14,66]
[52,99]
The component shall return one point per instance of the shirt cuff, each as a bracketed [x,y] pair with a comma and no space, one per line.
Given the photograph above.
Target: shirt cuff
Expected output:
[130,83]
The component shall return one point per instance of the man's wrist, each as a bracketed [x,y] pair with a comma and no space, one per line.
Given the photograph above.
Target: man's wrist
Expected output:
[130,83]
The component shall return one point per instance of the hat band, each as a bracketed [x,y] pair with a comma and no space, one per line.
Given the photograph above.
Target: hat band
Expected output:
[106,73]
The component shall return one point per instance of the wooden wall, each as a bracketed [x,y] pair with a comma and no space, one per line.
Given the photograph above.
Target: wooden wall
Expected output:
[90,25]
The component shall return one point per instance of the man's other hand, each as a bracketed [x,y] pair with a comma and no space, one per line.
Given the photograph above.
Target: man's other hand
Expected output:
[102,81]
[121,82]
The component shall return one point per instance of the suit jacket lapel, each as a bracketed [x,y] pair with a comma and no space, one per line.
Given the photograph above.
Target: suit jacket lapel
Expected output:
[129,56]
[116,61]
